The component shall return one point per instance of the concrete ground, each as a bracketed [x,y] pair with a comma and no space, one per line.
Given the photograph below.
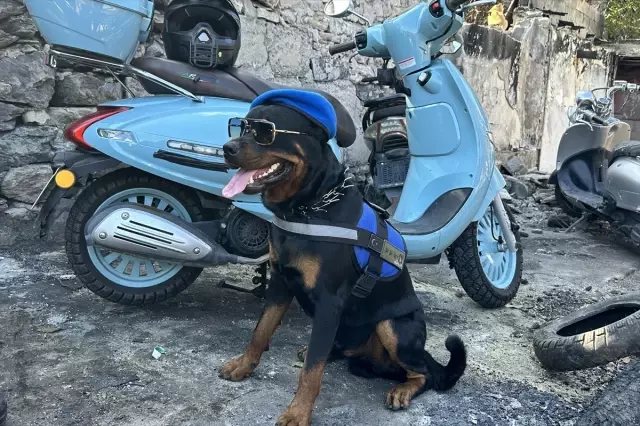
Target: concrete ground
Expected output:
[68,357]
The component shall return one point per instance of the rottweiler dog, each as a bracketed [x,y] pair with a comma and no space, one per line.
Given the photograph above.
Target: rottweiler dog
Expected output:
[382,335]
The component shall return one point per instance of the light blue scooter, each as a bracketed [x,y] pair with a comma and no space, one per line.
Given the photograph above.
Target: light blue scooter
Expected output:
[143,233]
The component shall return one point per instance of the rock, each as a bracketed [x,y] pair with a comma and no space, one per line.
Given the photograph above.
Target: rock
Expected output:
[559,221]
[20,211]
[515,166]
[323,70]
[7,39]
[459,294]
[537,231]
[254,54]
[4,205]
[134,85]
[26,79]
[25,183]
[155,49]
[8,114]
[73,89]
[10,8]
[589,288]
[267,15]
[39,118]
[57,116]
[517,188]
[26,145]
[543,194]
[535,326]
[289,53]
[524,281]
[21,26]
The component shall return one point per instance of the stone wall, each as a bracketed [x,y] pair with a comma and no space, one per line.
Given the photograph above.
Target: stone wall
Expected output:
[514,73]
[586,15]
[526,79]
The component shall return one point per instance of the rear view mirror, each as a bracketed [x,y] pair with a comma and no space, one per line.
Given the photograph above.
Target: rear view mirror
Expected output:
[338,8]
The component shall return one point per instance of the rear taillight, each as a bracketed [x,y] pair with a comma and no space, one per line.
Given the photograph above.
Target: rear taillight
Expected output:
[75,131]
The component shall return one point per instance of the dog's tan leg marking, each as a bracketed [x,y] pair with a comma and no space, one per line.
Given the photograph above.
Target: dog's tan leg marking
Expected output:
[240,368]
[299,411]
[309,267]
[399,397]
[273,255]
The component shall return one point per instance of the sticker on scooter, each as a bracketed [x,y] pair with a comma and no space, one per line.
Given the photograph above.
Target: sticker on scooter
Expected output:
[406,63]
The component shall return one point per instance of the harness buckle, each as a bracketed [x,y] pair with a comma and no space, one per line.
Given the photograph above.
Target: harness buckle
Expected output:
[365,284]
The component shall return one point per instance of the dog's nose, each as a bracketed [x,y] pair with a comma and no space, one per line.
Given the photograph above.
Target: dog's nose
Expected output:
[231,148]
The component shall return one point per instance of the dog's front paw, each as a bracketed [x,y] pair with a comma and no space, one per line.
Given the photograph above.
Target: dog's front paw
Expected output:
[399,398]
[237,369]
[295,415]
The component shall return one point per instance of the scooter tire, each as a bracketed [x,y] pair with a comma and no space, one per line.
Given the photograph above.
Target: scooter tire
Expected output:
[465,260]
[564,204]
[77,252]
[593,335]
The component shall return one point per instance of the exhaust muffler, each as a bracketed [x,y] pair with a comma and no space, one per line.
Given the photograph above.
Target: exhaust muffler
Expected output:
[150,233]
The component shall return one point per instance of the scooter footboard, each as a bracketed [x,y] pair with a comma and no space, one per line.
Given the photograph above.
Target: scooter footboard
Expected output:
[150,233]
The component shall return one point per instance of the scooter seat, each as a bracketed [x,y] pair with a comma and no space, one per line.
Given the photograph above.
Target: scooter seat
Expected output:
[229,83]
[626,149]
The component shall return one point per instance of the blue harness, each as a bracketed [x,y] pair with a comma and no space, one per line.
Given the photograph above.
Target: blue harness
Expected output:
[379,249]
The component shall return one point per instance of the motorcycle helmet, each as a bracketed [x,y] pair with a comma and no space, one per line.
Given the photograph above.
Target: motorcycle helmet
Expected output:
[203,33]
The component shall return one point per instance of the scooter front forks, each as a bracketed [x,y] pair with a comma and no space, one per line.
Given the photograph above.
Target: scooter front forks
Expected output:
[505,223]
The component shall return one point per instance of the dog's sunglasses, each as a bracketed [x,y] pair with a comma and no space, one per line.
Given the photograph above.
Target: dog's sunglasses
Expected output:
[263,131]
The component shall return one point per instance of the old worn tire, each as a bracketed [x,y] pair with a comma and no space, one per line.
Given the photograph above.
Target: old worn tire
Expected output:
[564,204]
[465,259]
[86,205]
[591,336]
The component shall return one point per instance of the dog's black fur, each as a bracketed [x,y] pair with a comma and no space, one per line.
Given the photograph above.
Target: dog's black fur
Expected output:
[384,334]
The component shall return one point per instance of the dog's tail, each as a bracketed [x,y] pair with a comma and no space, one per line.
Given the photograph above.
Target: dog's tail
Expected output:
[443,377]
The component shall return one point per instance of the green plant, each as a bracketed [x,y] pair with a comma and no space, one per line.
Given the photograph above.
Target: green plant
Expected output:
[622,19]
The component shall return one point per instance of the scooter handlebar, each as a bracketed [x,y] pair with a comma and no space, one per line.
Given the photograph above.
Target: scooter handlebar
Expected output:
[595,118]
[342,47]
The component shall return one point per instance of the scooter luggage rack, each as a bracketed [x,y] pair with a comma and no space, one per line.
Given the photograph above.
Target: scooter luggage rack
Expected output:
[52,56]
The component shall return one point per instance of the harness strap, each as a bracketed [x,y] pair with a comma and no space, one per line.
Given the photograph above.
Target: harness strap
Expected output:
[347,235]
[377,243]
[366,282]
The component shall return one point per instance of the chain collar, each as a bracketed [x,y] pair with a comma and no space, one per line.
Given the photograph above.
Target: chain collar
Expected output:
[331,197]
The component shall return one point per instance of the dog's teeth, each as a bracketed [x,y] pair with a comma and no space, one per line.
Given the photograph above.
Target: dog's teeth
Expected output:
[275,166]
[251,180]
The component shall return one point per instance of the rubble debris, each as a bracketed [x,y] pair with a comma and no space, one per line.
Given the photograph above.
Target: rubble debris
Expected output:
[515,166]
[158,351]
[517,188]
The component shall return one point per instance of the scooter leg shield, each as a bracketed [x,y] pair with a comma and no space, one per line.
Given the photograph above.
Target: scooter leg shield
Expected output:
[149,233]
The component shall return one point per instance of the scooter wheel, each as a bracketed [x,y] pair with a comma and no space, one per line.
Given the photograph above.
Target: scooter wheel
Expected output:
[489,276]
[122,278]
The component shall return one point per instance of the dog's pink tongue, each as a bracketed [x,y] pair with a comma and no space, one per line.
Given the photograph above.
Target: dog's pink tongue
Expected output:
[238,183]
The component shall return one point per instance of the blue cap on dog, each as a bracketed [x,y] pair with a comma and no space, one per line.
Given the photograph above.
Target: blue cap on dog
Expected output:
[313,105]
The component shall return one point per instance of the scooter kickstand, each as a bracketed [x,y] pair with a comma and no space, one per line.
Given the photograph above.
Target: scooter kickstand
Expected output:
[260,282]
[584,217]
